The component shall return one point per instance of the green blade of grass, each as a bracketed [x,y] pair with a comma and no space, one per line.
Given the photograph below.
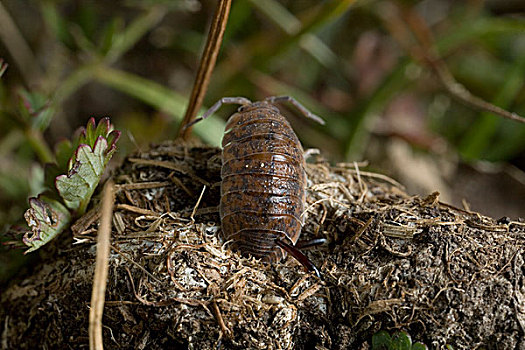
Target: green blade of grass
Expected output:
[55,24]
[390,86]
[263,52]
[513,145]
[292,26]
[279,15]
[479,137]
[476,29]
[17,46]
[161,98]
[134,32]
[326,13]
[74,81]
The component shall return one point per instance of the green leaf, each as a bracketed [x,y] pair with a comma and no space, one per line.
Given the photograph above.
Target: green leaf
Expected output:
[63,152]
[36,109]
[110,32]
[476,29]
[277,12]
[65,149]
[419,346]
[96,145]
[381,340]
[402,341]
[84,159]
[124,40]
[480,136]
[46,218]
[55,24]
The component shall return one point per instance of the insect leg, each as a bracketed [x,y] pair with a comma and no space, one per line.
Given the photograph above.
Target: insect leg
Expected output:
[297,105]
[296,253]
[301,244]
[217,105]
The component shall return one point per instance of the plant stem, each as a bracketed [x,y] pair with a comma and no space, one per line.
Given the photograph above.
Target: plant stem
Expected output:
[39,145]
[209,57]
[18,48]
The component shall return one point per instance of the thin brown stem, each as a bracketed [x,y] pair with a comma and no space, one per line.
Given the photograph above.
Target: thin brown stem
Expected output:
[209,57]
[459,92]
[101,270]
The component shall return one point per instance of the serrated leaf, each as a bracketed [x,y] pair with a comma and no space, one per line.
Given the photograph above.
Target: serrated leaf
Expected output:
[91,132]
[95,145]
[84,160]
[46,218]
[88,133]
[79,184]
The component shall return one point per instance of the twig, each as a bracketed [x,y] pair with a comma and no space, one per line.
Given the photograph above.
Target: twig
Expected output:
[197,204]
[397,19]
[137,210]
[101,271]
[209,57]
[224,329]
[135,263]
[142,185]
[424,35]
[168,165]
[3,67]
[462,94]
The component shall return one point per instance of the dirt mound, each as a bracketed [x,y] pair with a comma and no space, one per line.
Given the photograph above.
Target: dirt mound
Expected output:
[392,261]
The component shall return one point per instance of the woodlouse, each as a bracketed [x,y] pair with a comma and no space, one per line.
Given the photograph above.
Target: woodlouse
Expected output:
[263,179]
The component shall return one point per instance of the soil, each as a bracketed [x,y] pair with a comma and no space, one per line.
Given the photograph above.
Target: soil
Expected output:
[392,261]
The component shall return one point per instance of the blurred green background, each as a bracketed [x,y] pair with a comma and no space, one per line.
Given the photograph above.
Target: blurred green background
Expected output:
[135,61]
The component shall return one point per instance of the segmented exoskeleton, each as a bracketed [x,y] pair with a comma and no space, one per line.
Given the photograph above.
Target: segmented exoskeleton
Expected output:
[263,179]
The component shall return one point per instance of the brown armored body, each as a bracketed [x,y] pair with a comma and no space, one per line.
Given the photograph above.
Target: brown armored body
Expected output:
[263,181]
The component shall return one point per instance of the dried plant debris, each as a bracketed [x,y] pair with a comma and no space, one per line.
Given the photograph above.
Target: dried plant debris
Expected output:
[392,262]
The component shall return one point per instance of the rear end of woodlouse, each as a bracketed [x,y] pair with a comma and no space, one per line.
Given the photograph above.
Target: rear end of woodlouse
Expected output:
[263,184]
